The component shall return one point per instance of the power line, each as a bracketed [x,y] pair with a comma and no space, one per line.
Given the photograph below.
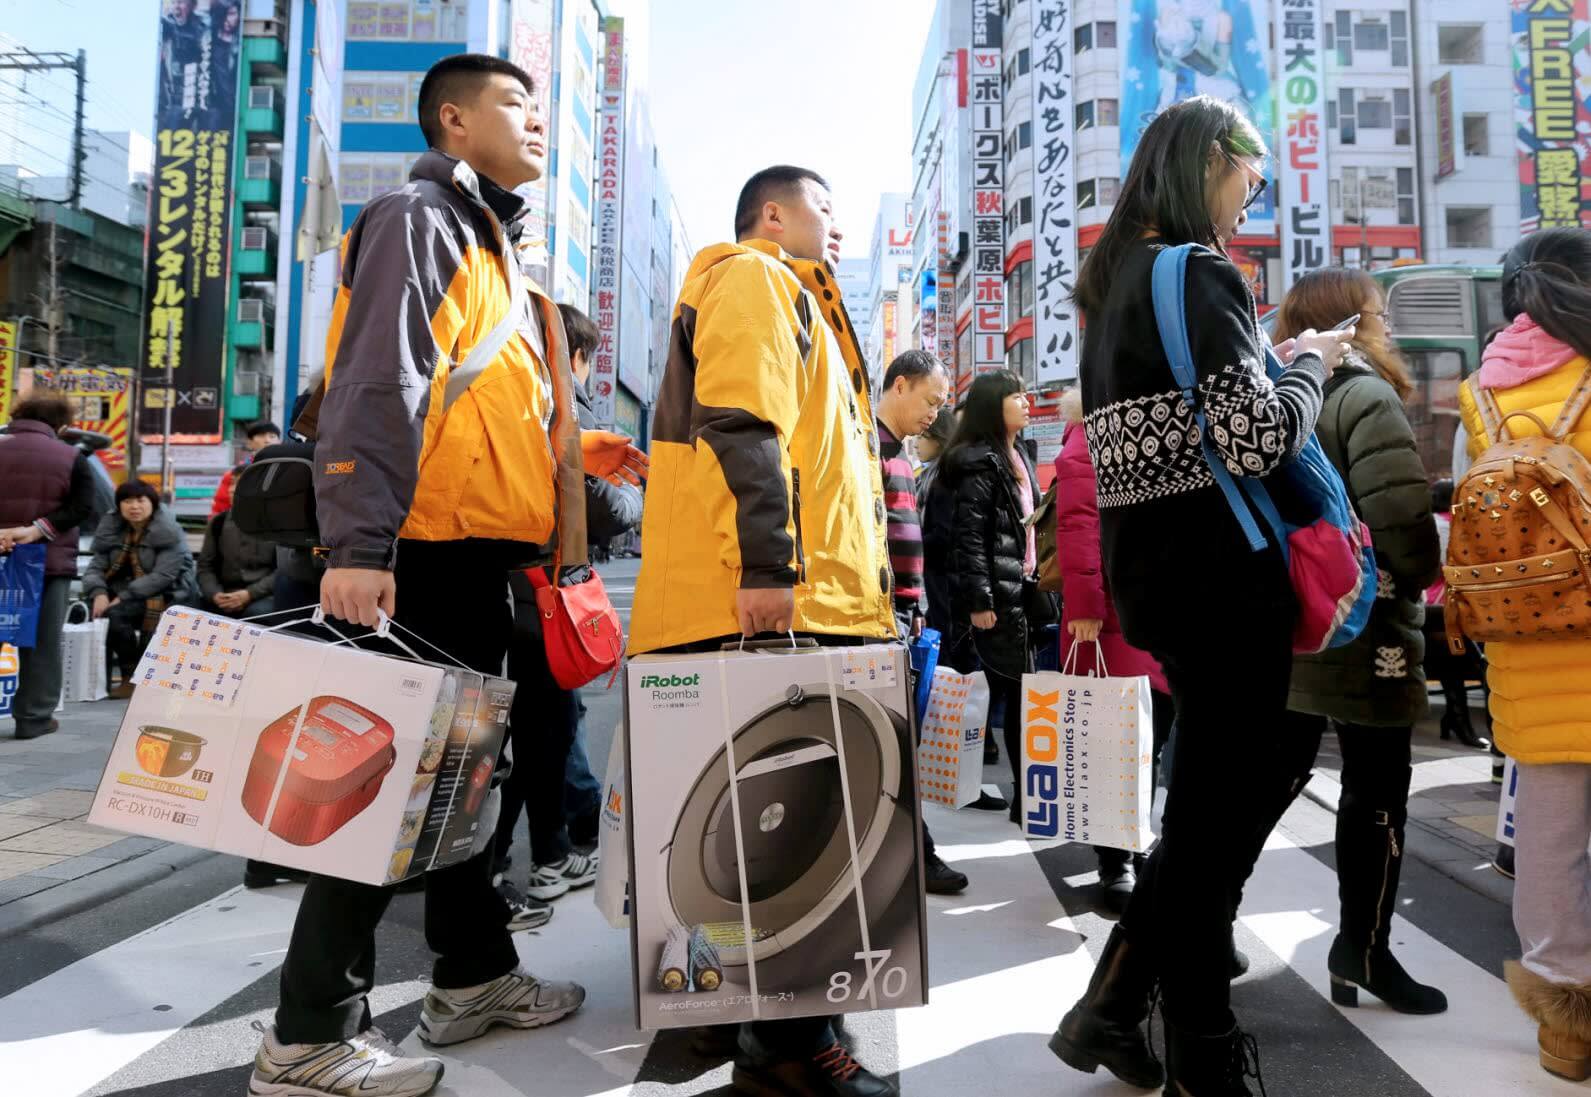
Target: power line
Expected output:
[65,164]
[34,101]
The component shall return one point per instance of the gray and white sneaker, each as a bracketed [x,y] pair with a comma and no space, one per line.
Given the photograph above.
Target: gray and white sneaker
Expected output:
[523,913]
[367,1065]
[518,999]
[576,870]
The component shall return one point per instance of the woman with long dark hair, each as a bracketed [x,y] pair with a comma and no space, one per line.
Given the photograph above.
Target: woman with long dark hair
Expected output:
[1217,616]
[1373,690]
[1541,687]
[989,489]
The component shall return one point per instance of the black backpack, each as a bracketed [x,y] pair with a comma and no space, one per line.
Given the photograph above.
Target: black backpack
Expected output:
[273,497]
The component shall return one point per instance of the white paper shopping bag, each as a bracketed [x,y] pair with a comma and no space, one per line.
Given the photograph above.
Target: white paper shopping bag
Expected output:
[950,746]
[83,656]
[1507,801]
[1087,753]
[612,890]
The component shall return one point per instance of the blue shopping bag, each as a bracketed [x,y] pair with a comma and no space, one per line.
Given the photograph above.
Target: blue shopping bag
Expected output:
[21,590]
[924,653]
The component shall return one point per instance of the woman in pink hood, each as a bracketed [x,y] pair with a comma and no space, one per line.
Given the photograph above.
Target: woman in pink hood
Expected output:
[1091,637]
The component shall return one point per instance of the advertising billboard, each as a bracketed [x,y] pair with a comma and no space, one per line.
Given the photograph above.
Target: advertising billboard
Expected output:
[605,291]
[99,403]
[1552,81]
[988,192]
[190,222]
[8,368]
[1055,343]
[1176,49]
[1301,158]
[530,47]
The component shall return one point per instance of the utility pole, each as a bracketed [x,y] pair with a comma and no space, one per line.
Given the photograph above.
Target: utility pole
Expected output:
[52,307]
[30,61]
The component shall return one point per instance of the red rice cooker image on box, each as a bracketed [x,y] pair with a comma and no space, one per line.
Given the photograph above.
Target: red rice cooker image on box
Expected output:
[343,753]
[480,781]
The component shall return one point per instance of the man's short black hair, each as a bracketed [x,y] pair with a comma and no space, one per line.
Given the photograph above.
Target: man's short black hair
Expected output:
[913,365]
[262,426]
[458,79]
[769,185]
[582,333]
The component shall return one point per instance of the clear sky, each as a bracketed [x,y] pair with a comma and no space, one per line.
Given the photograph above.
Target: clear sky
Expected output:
[735,86]
[825,84]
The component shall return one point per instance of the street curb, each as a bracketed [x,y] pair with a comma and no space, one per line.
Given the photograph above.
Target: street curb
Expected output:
[75,896]
[1325,792]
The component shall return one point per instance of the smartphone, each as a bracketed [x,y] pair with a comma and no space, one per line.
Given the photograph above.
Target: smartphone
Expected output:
[1348,323]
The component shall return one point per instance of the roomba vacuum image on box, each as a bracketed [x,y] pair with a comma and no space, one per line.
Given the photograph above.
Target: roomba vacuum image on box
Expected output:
[800,886]
[335,770]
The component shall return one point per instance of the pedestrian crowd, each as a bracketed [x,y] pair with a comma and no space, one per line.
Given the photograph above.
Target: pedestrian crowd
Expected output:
[783,498]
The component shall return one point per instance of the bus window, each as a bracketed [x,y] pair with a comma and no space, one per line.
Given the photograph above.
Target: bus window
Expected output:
[1489,304]
[1433,406]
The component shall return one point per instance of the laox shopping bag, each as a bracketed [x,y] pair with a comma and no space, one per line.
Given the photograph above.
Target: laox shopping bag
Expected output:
[612,891]
[21,590]
[83,656]
[1087,751]
[950,747]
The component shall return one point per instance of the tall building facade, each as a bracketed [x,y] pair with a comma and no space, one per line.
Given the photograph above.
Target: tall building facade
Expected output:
[889,273]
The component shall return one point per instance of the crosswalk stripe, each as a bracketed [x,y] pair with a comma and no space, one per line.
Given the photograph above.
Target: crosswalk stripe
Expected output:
[89,1019]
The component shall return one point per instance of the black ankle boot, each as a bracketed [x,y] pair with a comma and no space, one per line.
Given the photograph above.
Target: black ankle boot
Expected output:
[1104,1029]
[1456,724]
[1211,1066]
[1369,864]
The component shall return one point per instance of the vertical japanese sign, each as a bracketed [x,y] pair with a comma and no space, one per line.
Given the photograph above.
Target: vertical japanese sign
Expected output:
[1054,234]
[8,368]
[1552,82]
[530,47]
[1448,150]
[988,190]
[610,208]
[1306,221]
[190,221]
[889,330]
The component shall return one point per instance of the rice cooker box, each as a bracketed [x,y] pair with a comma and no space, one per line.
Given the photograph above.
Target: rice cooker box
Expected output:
[775,835]
[320,757]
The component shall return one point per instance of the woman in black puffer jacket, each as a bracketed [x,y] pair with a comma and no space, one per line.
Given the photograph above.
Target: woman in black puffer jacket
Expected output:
[986,482]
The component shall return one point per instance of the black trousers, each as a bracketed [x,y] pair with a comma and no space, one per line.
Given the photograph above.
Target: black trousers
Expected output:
[542,730]
[125,636]
[1232,775]
[453,594]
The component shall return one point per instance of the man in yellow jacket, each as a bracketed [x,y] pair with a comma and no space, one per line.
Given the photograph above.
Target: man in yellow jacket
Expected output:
[765,510]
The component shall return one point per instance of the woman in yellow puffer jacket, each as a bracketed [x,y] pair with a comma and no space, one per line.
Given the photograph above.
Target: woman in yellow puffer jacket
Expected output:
[1541,689]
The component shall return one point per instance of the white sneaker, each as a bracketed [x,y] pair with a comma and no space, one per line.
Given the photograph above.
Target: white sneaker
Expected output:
[523,913]
[367,1065]
[548,882]
[518,999]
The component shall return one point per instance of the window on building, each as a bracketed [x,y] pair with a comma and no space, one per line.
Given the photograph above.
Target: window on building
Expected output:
[1105,35]
[1477,136]
[1375,114]
[1019,360]
[1019,291]
[1085,114]
[1083,38]
[1086,196]
[1469,226]
[1460,44]
[1024,135]
[1400,40]
[1024,61]
[1025,211]
[1344,38]
[1405,196]
[1109,112]
[1109,188]
[1402,123]
[1348,130]
[1370,35]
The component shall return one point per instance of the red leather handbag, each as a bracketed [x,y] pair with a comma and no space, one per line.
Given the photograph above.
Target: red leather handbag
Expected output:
[580,628]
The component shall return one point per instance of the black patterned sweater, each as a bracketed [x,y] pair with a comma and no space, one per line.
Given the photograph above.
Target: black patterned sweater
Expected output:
[1179,566]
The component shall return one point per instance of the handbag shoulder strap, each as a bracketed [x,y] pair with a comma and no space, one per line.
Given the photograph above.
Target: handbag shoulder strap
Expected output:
[1168,288]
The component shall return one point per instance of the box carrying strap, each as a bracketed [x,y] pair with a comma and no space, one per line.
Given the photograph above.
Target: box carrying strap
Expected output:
[1168,289]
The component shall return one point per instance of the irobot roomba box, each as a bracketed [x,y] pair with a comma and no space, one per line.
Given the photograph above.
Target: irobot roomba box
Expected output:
[310,755]
[775,838]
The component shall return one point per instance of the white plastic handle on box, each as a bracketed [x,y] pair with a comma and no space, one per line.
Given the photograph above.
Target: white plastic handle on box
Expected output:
[383,631]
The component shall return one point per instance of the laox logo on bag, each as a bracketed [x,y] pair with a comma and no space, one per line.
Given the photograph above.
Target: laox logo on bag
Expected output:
[1042,780]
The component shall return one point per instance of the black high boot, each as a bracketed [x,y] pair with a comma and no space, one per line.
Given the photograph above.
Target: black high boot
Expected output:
[1369,863]
[1211,1066]
[1105,1028]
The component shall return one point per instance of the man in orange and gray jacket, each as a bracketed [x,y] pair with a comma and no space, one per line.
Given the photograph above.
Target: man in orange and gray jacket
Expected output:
[447,452]
[765,509]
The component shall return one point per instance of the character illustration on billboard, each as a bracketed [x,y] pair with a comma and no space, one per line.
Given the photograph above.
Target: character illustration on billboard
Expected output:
[199,64]
[1177,49]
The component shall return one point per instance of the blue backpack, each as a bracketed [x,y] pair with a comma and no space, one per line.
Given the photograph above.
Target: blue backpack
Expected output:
[1326,546]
